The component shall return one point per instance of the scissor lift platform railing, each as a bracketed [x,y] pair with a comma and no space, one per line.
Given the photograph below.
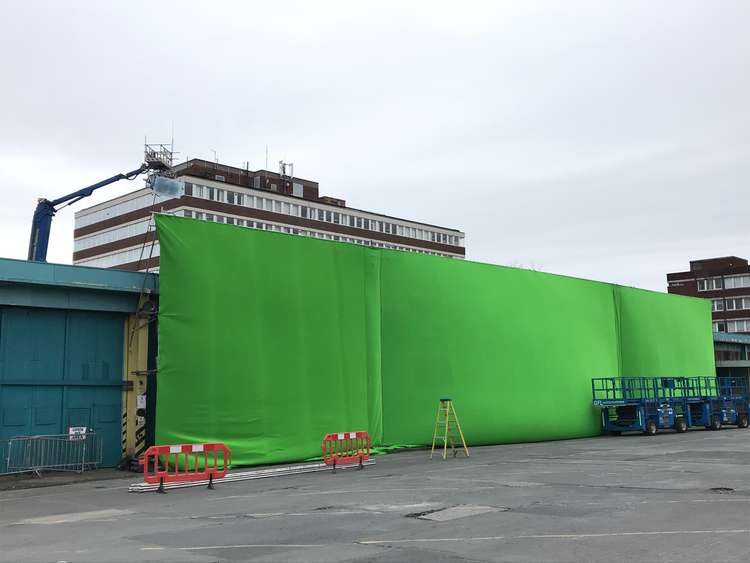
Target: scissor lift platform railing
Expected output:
[613,391]
[650,403]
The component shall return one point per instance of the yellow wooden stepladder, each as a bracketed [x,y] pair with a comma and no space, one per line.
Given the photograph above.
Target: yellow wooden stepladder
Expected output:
[446,426]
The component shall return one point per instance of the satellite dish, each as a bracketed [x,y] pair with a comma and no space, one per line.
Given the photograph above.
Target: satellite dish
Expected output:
[167,187]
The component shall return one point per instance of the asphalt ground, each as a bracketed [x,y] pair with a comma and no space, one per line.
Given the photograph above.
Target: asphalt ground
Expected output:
[670,497]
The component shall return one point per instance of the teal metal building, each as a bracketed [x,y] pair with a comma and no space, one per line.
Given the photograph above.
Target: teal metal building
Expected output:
[68,338]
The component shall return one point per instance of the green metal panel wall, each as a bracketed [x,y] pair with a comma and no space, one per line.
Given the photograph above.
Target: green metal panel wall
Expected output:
[58,369]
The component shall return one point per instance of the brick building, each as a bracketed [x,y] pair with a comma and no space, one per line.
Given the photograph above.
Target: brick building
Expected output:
[119,233]
[726,282]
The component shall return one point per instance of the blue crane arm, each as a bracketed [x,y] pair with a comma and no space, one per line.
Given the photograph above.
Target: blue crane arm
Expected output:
[45,210]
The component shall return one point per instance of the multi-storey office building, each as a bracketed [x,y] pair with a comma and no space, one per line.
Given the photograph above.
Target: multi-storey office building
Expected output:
[119,233]
[726,282]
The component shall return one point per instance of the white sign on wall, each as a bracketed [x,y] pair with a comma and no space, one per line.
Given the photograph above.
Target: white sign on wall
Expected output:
[77,433]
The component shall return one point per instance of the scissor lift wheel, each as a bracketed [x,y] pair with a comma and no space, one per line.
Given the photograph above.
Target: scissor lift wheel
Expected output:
[651,428]
[715,422]
[680,425]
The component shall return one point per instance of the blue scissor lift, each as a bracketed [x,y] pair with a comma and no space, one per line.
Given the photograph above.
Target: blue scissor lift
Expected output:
[642,404]
[647,404]
[716,401]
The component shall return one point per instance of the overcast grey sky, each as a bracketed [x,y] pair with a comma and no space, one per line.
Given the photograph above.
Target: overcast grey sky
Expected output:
[607,140]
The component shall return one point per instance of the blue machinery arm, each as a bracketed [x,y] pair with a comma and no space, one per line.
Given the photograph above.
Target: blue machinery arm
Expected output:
[46,209]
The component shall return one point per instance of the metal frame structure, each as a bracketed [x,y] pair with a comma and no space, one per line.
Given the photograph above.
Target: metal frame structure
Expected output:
[647,404]
[59,452]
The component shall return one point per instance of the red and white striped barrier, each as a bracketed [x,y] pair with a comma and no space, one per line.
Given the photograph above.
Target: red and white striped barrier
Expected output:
[346,447]
[185,462]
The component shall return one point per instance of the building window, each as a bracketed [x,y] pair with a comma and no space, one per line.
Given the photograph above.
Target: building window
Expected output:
[188,188]
[710,284]
[734,282]
[366,223]
[230,220]
[328,216]
[286,210]
[209,217]
[303,211]
[230,197]
[718,305]
[738,303]
[269,205]
[210,193]
[740,325]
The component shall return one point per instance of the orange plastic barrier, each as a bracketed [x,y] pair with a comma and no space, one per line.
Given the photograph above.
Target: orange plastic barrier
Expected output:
[185,462]
[346,447]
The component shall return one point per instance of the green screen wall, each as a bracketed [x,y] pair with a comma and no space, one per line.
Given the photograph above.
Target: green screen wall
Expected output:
[268,341]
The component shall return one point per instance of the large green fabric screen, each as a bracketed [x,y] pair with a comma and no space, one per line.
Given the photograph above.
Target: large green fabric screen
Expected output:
[268,341]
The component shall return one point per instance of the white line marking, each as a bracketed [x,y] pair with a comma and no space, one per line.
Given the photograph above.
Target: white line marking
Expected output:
[425,540]
[553,536]
[238,546]
[611,534]
[378,491]
[253,545]
[76,517]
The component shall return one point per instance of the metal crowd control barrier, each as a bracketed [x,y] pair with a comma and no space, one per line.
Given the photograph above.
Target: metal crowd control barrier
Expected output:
[59,452]
[346,447]
[4,456]
[185,462]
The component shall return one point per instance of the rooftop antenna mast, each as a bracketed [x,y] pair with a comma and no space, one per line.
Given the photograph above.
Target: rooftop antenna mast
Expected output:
[286,171]
[284,167]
